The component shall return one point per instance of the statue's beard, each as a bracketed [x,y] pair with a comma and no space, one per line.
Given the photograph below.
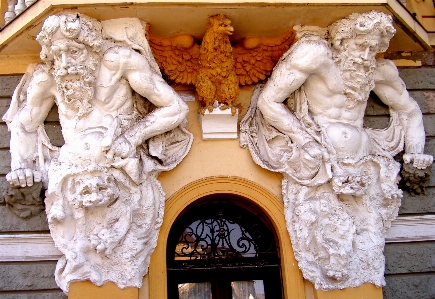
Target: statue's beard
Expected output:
[357,74]
[76,85]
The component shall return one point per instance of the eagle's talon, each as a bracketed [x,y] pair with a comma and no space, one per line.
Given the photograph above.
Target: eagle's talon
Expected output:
[233,110]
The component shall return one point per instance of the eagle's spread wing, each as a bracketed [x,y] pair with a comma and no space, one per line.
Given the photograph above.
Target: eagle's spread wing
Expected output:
[177,56]
[255,57]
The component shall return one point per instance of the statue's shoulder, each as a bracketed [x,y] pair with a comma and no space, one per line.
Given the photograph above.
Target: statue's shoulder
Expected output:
[386,71]
[40,75]
[308,54]
[114,57]
[311,41]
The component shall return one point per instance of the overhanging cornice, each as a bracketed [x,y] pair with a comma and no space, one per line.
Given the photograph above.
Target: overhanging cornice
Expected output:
[18,47]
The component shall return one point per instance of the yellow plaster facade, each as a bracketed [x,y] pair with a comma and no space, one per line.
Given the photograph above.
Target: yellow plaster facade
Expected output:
[85,289]
[211,167]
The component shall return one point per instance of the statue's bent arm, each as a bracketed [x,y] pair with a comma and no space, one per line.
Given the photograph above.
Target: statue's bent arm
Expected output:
[171,108]
[290,73]
[392,91]
[38,103]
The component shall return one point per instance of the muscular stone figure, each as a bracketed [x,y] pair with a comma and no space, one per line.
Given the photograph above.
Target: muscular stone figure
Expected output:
[120,122]
[340,179]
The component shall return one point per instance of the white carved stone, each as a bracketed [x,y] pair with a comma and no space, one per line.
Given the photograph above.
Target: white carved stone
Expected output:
[339,178]
[30,2]
[122,125]
[10,12]
[20,7]
[219,124]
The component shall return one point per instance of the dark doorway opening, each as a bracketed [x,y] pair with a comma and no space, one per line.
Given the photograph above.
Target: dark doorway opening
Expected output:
[223,247]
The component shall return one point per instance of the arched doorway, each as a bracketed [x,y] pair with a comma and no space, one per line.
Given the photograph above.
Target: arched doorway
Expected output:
[156,281]
[223,247]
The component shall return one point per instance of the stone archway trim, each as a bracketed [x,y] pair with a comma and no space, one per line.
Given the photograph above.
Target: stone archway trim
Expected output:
[291,276]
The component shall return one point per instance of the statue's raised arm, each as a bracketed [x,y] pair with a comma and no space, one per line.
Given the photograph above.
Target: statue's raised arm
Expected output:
[392,91]
[31,102]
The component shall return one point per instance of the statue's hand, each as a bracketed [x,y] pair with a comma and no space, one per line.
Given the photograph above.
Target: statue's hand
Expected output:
[121,148]
[421,161]
[23,177]
[316,151]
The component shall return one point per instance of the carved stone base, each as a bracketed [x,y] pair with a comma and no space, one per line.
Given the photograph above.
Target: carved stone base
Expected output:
[219,124]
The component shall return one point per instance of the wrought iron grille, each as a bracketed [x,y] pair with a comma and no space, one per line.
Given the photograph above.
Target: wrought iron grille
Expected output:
[219,232]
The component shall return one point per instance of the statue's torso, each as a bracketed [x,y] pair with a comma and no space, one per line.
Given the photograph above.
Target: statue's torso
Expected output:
[341,123]
[112,98]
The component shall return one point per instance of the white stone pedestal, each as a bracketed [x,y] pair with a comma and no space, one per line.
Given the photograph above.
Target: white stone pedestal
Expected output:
[219,124]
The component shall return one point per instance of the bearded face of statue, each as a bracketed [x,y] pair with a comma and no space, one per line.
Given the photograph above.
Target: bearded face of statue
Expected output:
[357,61]
[74,69]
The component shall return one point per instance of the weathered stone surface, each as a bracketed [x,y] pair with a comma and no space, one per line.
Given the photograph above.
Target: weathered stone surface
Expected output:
[12,223]
[418,78]
[432,176]
[54,132]
[430,146]
[8,84]
[410,257]
[3,185]
[40,295]
[429,124]
[4,105]
[376,122]
[376,107]
[5,136]
[419,203]
[53,115]
[5,161]
[410,286]
[27,276]
[425,100]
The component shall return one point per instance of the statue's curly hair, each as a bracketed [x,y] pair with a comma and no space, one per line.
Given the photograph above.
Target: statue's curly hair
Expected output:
[361,24]
[77,27]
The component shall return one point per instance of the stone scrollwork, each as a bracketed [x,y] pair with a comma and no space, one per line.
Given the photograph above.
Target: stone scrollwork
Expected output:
[340,184]
[122,125]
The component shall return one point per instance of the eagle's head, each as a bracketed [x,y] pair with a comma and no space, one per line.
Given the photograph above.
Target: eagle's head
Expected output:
[221,24]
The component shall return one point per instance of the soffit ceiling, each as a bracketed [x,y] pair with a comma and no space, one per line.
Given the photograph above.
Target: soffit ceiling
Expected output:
[17,39]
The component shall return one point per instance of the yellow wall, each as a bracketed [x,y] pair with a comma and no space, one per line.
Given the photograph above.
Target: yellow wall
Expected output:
[209,158]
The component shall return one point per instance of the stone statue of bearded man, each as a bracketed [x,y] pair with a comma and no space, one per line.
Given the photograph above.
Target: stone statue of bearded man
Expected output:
[340,179]
[122,125]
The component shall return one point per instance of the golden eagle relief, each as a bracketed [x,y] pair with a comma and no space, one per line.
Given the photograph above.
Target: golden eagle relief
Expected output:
[215,67]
